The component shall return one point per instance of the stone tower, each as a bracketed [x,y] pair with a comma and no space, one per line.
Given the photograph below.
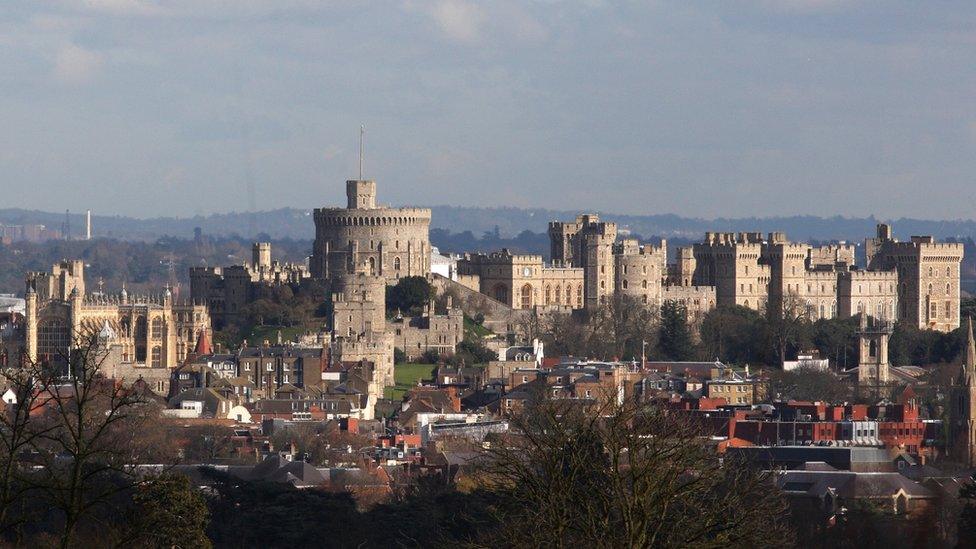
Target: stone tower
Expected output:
[261,256]
[963,408]
[389,242]
[872,361]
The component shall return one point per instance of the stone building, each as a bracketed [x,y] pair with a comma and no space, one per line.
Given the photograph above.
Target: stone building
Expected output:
[588,244]
[379,240]
[226,290]
[962,408]
[144,336]
[524,281]
[730,262]
[359,323]
[749,270]
[440,333]
[928,277]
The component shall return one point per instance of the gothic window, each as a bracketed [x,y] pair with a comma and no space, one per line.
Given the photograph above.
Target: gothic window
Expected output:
[948,271]
[558,292]
[948,309]
[157,357]
[930,271]
[501,293]
[644,284]
[548,295]
[527,296]
[52,338]
[396,263]
[579,295]
[140,328]
[625,284]
[157,328]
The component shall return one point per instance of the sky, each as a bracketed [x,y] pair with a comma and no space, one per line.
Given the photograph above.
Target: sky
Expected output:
[698,108]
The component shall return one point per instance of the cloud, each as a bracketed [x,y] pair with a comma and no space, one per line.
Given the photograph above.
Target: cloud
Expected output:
[459,20]
[122,7]
[76,65]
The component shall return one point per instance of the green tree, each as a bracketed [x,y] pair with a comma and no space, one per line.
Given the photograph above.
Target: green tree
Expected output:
[409,295]
[729,334]
[674,341]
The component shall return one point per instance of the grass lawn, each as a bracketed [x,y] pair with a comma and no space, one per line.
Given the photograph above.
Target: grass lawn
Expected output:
[471,328]
[406,376]
[260,333]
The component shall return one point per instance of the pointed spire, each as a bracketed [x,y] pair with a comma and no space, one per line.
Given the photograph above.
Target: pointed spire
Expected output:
[970,366]
[203,344]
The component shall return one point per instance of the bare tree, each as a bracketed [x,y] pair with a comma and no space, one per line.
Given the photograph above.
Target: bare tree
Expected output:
[84,431]
[624,475]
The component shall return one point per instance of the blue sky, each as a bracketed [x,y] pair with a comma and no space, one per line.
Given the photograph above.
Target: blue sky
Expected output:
[710,108]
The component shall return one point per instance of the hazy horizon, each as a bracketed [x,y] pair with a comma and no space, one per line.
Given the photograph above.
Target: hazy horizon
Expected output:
[760,108]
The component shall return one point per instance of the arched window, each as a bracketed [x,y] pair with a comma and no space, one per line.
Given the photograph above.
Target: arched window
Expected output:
[157,357]
[140,328]
[930,271]
[644,284]
[372,266]
[625,284]
[558,295]
[548,295]
[527,296]
[157,328]
[579,295]
[501,293]
[396,263]
[52,338]
[948,271]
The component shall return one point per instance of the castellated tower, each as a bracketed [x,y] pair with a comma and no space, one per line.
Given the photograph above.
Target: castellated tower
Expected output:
[391,243]
[873,365]
[360,195]
[261,255]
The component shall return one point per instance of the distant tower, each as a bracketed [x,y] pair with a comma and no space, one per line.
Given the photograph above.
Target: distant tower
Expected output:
[873,352]
[962,414]
[261,255]
[87,224]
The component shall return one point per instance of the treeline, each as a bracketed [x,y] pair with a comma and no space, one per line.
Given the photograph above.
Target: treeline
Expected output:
[624,329]
[142,266]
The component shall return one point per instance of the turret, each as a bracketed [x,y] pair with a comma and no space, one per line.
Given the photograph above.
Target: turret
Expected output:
[360,194]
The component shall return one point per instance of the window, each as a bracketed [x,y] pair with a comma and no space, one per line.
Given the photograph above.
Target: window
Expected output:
[527,296]
[396,263]
[157,328]
[548,295]
[157,357]
[558,299]
[52,338]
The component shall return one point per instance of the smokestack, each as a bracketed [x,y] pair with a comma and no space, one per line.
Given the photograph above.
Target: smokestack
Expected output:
[87,224]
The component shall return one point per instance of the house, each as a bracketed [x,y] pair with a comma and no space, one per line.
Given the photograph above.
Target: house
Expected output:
[819,486]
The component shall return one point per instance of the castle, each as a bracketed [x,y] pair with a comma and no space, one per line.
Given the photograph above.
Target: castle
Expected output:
[381,241]
[915,282]
[227,290]
[143,336]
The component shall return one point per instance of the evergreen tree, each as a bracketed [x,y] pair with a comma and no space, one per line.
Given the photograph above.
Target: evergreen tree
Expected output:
[675,342]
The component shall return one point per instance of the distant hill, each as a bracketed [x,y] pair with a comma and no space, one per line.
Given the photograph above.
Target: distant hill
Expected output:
[297,224]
